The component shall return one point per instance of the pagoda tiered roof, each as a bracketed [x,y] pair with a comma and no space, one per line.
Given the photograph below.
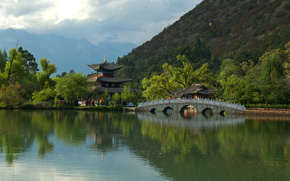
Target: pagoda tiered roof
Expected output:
[106,66]
[95,78]
[112,89]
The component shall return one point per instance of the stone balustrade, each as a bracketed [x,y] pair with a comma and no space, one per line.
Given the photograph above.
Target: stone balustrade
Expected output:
[199,104]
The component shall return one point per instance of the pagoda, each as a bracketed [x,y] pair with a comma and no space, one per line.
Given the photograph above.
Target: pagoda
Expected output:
[105,79]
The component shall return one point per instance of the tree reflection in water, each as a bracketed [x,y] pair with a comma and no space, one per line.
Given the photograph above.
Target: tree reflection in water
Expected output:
[177,145]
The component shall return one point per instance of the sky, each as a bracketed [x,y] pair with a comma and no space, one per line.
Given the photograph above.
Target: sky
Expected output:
[134,21]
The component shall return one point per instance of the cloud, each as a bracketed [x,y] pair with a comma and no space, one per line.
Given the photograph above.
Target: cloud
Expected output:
[21,8]
[96,20]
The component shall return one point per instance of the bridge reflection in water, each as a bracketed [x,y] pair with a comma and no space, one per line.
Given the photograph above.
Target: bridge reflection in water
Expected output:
[198,121]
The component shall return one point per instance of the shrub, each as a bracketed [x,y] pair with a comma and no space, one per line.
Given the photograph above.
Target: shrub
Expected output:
[12,95]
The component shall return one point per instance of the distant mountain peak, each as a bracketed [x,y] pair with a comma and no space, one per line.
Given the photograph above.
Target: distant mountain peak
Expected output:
[65,53]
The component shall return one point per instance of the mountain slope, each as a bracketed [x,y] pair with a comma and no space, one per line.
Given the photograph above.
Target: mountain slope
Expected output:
[65,53]
[239,29]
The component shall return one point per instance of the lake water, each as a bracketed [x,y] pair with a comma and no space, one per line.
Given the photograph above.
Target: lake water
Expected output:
[79,145]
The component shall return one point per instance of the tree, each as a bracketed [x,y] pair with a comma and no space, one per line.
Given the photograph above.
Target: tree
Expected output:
[44,76]
[186,75]
[71,86]
[28,60]
[5,55]
[287,62]
[15,73]
[230,80]
[47,94]
[116,97]
[158,86]
[2,61]
[272,67]
[273,83]
[106,96]
[173,78]
[127,95]
[14,67]
[47,67]
[11,95]
[3,78]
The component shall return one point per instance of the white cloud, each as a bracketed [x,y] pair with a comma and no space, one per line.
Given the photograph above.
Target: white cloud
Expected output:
[97,20]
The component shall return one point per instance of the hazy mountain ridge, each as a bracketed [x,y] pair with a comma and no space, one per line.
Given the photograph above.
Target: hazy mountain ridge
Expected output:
[65,53]
[239,29]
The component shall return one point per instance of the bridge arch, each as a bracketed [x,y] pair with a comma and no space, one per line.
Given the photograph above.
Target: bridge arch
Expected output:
[167,109]
[187,111]
[186,106]
[223,112]
[208,112]
[153,110]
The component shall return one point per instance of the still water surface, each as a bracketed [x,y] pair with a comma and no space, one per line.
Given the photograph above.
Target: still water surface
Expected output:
[78,145]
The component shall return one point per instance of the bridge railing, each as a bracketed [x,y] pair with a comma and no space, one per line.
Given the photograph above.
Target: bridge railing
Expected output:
[193,100]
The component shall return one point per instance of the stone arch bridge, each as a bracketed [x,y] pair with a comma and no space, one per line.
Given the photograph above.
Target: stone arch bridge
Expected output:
[200,105]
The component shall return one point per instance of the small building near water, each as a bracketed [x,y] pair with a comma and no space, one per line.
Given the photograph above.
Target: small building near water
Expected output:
[194,91]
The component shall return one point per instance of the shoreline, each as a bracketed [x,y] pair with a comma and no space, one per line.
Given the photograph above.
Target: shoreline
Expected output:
[267,111]
[248,111]
[85,108]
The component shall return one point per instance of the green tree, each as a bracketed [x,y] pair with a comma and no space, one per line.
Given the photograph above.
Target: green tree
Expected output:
[2,62]
[14,68]
[116,97]
[15,73]
[127,95]
[287,62]
[173,78]
[186,75]
[106,96]
[11,95]
[272,67]
[71,86]
[5,55]
[44,95]
[47,67]
[231,84]
[273,84]
[29,61]
[158,86]
[43,77]
[3,78]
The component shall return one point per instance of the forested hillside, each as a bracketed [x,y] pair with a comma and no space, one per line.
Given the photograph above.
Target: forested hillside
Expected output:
[212,31]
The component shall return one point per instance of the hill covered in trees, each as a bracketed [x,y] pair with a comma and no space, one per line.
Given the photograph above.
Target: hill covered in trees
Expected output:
[213,31]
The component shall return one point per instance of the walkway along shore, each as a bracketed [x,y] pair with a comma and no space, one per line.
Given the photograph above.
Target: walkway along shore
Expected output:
[267,111]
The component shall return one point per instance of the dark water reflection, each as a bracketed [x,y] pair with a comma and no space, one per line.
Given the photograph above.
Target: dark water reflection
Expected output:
[59,145]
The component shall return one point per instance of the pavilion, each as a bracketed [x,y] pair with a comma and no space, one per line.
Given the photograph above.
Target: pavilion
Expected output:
[194,91]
